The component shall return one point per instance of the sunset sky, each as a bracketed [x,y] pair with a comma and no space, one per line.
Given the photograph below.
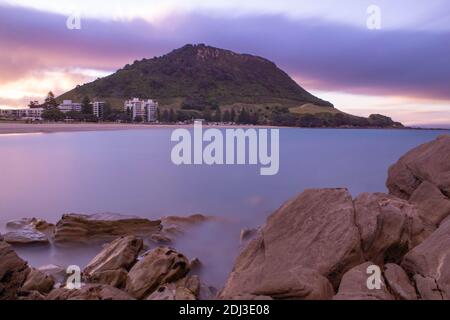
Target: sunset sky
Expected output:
[401,70]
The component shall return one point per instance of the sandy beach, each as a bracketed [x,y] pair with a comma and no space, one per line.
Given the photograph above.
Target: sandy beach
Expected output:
[22,128]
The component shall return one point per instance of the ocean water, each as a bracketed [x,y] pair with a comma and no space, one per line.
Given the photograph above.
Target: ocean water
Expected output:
[130,172]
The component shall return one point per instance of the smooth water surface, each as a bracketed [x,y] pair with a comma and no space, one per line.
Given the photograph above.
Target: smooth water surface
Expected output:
[130,172]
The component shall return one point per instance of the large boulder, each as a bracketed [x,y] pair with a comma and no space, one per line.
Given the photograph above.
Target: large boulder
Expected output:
[115,278]
[433,206]
[58,273]
[157,267]
[13,272]
[38,281]
[103,227]
[429,264]
[175,226]
[354,286]
[187,288]
[308,241]
[428,162]
[28,231]
[89,292]
[398,281]
[389,226]
[35,223]
[110,266]
[25,236]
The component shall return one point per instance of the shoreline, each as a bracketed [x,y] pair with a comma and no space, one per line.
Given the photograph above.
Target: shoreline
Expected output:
[7,128]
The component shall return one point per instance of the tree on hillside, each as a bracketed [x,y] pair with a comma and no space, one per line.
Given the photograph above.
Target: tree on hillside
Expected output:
[86,107]
[165,116]
[226,116]
[232,115]
[34,104]
[244,117]
[53,114]
[107,110]
[50,101]
[207,114]
[218,115]
[172,116]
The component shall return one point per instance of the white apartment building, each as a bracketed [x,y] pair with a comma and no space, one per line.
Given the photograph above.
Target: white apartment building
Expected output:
[34,113]
[98,108]
[68,106]
[146,109]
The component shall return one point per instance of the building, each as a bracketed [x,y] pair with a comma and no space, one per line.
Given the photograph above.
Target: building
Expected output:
[23,114]
[144,109]
[98,109]
[34,114]
[68,106]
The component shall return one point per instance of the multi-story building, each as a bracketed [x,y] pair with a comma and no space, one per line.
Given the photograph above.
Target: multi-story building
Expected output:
[34,113]
[144,109]
[26,114]
[98,109]
[68,106]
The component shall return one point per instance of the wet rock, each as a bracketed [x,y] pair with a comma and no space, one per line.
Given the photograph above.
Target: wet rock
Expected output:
[13,272]
[28,231]
[188,221]
[34,223]
[30,295]
[25,236]
[175,226]
[160,238]
[207,292]
[247,234]
[110,266]
[399,283]
[157,267]
[433,205]
[389,226]
[430,263]
[171,291]
[187,288]
[115,278]
[300,284]
[119,254]
[354,286]
[103,227]
[428,162]
[38,281]
[427,288]
[89,292]
[58,273]
[315,232]
[195,266]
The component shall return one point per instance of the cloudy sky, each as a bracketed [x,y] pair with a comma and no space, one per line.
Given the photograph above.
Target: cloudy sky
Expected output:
[401,70]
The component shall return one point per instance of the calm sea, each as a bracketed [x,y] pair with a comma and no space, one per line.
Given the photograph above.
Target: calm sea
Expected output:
[130,172]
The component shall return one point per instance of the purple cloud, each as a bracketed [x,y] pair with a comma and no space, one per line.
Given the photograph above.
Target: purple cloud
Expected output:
[332,56]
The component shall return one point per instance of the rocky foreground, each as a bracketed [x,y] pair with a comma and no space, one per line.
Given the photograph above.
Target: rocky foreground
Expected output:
[319,245]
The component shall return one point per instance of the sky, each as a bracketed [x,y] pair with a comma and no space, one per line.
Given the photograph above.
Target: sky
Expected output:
[377,56]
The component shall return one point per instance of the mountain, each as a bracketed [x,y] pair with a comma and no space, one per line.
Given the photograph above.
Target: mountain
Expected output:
[199,81]
[197,76]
